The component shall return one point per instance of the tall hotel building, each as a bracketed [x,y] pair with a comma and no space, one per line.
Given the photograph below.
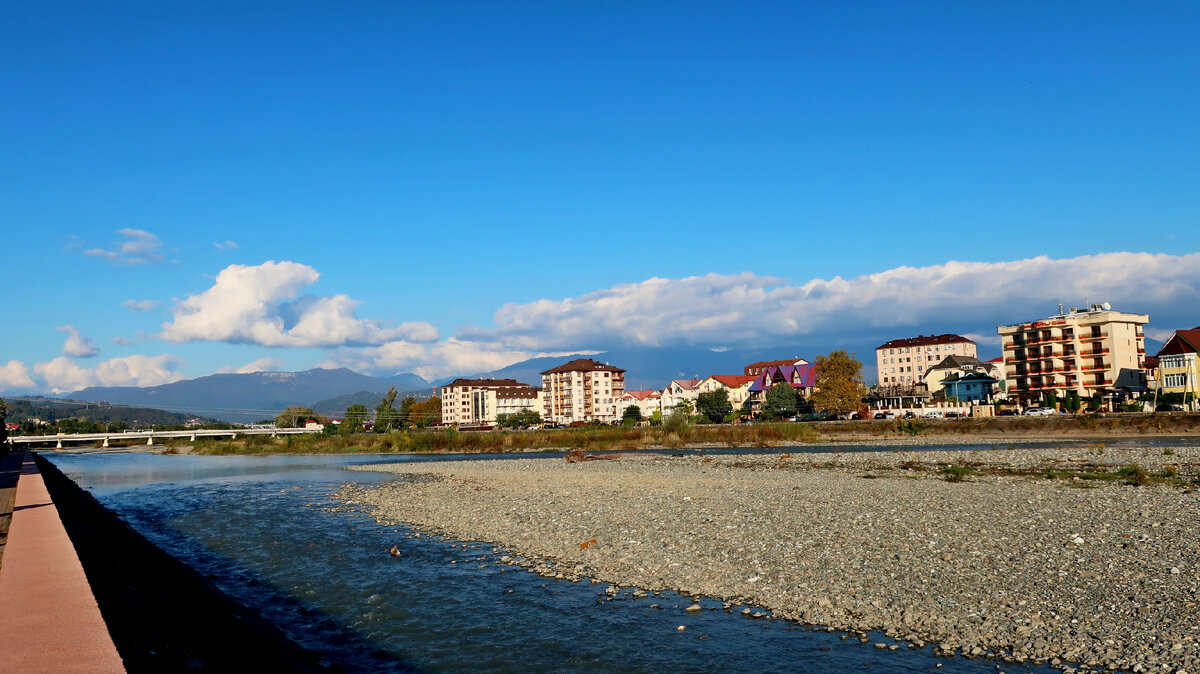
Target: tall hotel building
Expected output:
[582,390]
[1082,350]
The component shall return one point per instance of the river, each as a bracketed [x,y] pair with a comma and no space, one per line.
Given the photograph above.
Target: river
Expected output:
[266,530]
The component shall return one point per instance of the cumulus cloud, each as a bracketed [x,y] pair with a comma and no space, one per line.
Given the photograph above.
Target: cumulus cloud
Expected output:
[14,376]
[746,308]
[262,305]
[225,245]
[77,346]
[266,364]
[451,356]
[141,305]
[63,375]
[139,247]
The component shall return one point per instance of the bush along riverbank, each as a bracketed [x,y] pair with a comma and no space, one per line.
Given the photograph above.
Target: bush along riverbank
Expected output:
[613,438]
[587,438]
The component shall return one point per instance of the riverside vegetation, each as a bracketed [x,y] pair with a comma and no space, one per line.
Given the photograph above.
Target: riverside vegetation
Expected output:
[613,438]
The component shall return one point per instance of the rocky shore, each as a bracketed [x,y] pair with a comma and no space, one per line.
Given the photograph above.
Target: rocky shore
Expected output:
[1004,563]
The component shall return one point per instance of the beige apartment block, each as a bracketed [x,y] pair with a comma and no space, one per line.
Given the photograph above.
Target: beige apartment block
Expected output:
[1088,351]
[582,390]
[478,402]
[648,402]
[902,363]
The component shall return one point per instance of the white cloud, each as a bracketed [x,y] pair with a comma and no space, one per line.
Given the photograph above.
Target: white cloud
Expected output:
[266,364]
[225,245]
[76,345]
[63,375]
[141,305]
[139,247]
[123,341]
[262,305]
[451,356]
[14,376]
[745,308]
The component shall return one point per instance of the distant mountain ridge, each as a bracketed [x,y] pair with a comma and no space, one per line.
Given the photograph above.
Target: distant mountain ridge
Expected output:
[251,396]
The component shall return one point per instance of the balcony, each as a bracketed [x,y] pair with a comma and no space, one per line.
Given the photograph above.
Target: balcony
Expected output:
[1093,337]
[1094,353]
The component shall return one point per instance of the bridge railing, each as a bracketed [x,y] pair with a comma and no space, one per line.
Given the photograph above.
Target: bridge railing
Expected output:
[104,438]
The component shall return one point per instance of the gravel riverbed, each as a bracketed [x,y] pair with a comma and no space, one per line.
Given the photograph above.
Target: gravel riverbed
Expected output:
[1076,571]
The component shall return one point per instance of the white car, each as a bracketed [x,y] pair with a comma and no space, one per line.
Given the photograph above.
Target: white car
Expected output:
[932,415]
[1041,412]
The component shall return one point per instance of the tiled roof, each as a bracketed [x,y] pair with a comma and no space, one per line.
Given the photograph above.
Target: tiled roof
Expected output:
[582,365]
[924,340]
[800,376]
[769,363]
[1183,341]
[685,384]
[491,383]
[519,392]
[733,380]
[956,361]
[643,395]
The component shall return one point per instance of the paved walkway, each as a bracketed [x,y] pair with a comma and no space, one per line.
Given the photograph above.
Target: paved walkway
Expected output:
[47,609]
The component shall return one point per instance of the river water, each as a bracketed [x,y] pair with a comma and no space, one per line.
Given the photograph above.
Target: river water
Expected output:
[266,530]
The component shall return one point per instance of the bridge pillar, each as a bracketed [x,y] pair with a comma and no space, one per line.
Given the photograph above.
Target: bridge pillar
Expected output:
[105,443]
[235,436]
[150,440]
[274,434]
[193,438]
[58,445]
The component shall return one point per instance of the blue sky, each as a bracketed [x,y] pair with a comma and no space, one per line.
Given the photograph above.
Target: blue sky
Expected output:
[448,187]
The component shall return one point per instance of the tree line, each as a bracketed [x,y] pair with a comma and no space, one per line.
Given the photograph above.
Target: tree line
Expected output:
[385,418]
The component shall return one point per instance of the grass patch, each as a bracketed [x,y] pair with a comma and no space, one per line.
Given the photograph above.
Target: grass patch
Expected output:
[957,473]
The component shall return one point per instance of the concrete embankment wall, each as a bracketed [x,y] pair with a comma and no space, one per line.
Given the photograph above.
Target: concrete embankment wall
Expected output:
[162,614]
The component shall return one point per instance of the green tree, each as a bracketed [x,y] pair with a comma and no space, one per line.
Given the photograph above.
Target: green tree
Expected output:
[386,416]
[522,419]
[656,418]
[714,405]
[1072,403]
[293,416]
[3,420]
[406,406]
[1096,402]
[631,416]
[356,415]
[839,384]
[781,402]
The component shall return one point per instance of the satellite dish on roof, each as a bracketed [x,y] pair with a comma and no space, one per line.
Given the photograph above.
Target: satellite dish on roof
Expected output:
[1107,306]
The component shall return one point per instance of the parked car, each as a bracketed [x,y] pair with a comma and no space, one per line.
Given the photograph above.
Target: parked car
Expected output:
[954,415]
[1006,413]
[932,415]
[1040,412]
[909,415]
[885,415]
[1168,408]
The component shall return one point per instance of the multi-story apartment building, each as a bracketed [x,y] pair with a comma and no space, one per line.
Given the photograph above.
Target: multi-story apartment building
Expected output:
[582,390]
[1178,366]
[1082,350]
[477,402]
[902,363]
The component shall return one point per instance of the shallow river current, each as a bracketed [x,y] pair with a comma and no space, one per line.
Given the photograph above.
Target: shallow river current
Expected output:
[266,531]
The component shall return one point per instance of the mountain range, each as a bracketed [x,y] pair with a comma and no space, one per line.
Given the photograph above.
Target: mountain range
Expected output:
[253,396]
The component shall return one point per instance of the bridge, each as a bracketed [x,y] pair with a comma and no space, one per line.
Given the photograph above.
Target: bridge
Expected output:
[191,435]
